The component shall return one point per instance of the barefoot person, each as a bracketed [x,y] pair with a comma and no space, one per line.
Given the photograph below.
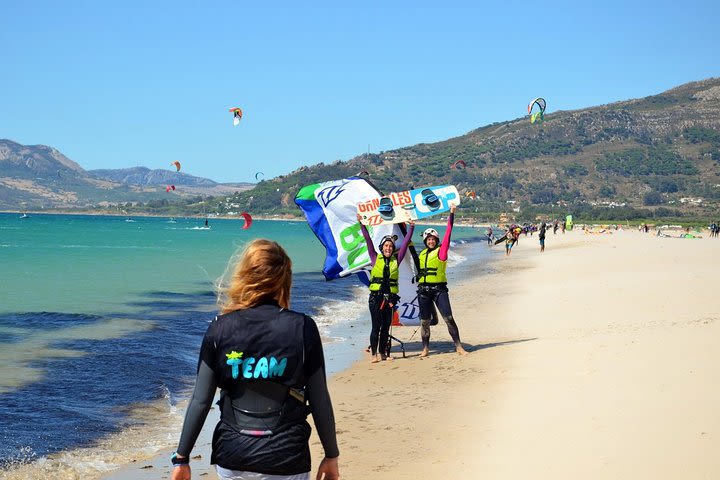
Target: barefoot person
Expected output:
[268,362]
[432,285]
[383,287]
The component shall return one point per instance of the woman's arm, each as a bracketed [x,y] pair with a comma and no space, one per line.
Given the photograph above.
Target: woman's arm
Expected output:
[316,389]
[368,242]
[445,246]
[202,397]
[406,243]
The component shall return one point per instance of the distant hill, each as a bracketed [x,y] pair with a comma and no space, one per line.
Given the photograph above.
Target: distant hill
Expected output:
[37,176]
[659,153]
[653,152]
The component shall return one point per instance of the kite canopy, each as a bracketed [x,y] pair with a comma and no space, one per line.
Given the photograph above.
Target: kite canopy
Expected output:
[471,194]
[540,102]
[248,220]
[237,115]
[539,114]
[459,163]
[169,188]
[257,175]
[177,165]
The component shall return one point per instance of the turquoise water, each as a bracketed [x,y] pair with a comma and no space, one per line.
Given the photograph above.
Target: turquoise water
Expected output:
[92,264]
[102,317]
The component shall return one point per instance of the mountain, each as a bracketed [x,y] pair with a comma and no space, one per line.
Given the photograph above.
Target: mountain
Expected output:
[659,151]
[38,176]
[657,155]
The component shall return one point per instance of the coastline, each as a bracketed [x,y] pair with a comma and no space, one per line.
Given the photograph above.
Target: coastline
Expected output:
[596,358]
[340,356]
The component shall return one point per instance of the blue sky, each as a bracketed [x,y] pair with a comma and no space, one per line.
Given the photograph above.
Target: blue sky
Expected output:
[120,84]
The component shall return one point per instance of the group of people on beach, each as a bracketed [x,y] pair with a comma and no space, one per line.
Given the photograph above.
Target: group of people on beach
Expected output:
[268,361]
[431,281]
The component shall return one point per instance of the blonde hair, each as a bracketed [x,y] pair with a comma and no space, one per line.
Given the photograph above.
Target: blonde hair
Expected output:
[263,273]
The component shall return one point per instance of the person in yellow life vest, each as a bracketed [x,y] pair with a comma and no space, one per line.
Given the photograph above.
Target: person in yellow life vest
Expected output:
[383,288]
[432,285]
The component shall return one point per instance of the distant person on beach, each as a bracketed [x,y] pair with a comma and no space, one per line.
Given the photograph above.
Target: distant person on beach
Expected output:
[541,236]
[489,236]
[268,362]
[432,285]
[384,288]
[511,239]
[555,227]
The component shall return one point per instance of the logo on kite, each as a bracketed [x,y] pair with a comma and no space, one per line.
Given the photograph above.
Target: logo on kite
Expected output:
[170,188]
[248,220]
[537,115]
[237,115]
[177,165]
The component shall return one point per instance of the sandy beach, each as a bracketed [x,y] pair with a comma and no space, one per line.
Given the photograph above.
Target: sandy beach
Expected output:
[595,359]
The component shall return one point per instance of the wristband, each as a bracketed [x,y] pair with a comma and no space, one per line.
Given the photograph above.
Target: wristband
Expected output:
[179,461]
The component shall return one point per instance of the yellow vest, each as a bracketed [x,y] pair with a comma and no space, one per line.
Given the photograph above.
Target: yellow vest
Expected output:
[432,269]
[376,274]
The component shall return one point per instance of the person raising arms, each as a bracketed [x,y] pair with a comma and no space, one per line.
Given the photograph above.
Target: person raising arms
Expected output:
[383,287]
[432,285]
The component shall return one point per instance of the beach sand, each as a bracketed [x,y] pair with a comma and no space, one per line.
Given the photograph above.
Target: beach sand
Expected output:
[596,359]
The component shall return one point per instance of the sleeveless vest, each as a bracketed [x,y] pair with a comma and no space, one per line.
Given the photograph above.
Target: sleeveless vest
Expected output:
[259,366]
[377,274]
[432,269]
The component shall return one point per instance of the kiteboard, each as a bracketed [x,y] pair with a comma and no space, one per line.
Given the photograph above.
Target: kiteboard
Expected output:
[408,205]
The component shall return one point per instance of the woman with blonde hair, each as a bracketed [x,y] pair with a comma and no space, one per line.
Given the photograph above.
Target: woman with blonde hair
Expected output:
[268,362]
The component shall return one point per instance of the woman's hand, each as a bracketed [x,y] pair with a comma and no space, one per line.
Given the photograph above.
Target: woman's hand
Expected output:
[328,469]
[453,207]
[181,472]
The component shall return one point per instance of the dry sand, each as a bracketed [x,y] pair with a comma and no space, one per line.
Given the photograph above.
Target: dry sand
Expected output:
[596,359]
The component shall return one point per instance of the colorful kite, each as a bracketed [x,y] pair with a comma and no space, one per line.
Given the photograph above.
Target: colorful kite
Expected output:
[248,220]
[237,115]
[177,165]
[331,211]
[539,115]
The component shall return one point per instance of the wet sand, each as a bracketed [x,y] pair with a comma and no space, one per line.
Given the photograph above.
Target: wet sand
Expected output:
[596,359]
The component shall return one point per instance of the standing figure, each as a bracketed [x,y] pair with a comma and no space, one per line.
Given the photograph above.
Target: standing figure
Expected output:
[268,362]
[384,288]
[541,236]
[432,285]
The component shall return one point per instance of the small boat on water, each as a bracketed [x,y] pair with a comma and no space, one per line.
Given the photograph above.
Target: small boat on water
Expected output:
[24,215]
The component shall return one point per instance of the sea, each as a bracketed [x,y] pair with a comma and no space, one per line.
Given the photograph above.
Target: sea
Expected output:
[101,319]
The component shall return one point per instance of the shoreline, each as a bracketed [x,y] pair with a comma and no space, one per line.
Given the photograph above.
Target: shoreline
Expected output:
[344,356]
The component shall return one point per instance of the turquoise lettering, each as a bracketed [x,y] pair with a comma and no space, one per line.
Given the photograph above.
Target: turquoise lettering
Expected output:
[235,363]
[247,367]
[261,370]
[277,368]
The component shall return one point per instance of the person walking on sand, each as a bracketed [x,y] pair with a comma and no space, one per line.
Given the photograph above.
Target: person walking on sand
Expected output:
[432,285]
[268,362]
[541,236]
[511,239]
[384,288]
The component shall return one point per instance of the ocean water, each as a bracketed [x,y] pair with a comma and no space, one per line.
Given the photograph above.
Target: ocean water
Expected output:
[101,321]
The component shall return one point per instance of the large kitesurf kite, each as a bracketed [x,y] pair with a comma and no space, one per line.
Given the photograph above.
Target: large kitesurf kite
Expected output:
[539,115]
[331,211]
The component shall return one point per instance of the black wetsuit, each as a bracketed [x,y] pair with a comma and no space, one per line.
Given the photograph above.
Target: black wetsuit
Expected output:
[285,452]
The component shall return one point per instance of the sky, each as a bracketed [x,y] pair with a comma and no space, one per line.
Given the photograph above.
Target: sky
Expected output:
[125,84]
